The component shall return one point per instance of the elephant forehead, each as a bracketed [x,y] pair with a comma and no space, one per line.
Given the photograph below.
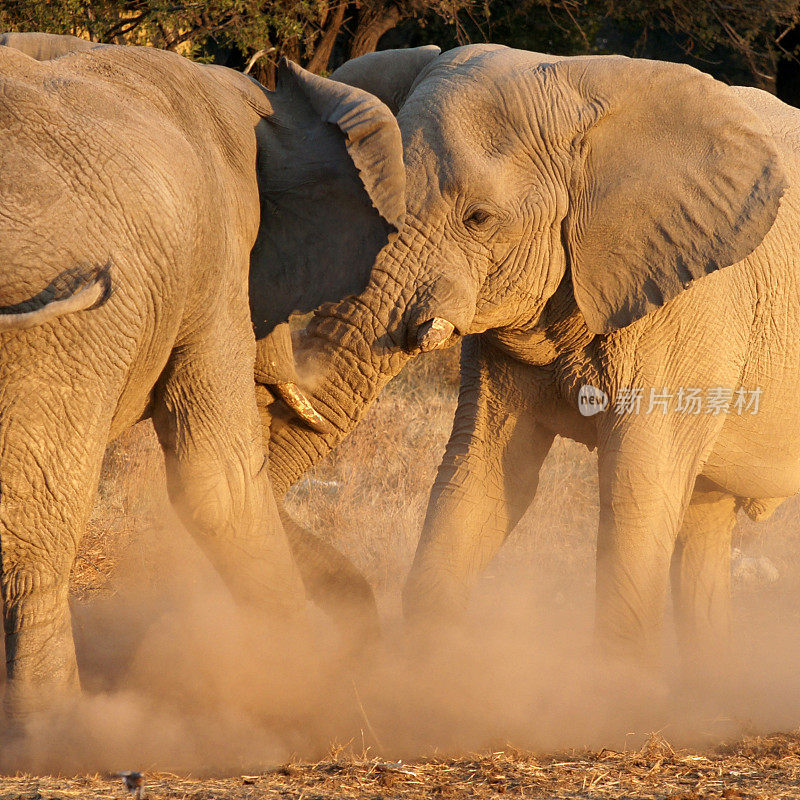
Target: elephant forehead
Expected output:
[453,112]
[440,169]
[485,63]
[486,106]
[462,143]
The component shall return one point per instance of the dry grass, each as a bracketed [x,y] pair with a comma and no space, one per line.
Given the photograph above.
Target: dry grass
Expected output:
[765,768]
[369,499]
[131,498]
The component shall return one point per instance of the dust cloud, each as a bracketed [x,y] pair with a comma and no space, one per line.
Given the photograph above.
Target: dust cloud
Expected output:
[178,678]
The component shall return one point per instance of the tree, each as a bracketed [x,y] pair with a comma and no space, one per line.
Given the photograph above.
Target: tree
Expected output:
[226,31]
[739,41]
[726,35]
[787,78]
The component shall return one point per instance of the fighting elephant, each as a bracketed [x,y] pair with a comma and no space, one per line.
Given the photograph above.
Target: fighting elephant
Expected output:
[601,229]
[144,199]
[45,46]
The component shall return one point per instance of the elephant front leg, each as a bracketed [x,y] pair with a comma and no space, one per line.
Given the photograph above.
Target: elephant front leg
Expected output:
[647,468]
[52,449]
[40,654]
[207,421]
[701,582]
[485,483]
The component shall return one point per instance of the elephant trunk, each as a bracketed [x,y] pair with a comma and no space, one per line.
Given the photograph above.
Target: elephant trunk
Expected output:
[351,350]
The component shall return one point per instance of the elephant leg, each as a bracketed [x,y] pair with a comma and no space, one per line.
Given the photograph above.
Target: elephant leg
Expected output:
[701,580]
[485,483]
[207,421]
[51,449]
[334,584]
[647,470]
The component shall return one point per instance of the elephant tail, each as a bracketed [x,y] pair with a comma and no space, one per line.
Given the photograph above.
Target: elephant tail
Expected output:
[72,291]
[333,583]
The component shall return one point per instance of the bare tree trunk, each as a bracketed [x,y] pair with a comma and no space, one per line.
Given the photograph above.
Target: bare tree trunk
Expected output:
[322,52]
[372,24]
[264,73]
[291,49]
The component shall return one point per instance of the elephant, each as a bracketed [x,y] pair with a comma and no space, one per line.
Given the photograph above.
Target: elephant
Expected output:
[597,229]
[45,46]
[161,221]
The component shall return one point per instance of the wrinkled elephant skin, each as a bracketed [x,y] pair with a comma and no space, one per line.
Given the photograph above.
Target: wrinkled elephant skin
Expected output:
[604,221]
[143,197]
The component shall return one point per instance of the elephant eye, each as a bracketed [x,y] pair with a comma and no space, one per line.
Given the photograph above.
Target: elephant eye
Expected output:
[478,218]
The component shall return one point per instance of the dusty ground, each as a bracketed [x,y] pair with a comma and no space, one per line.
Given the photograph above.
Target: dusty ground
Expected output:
[759,768]
[369,499]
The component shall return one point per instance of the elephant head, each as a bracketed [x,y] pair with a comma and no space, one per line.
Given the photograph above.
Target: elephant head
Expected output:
[619,180]
[331,183]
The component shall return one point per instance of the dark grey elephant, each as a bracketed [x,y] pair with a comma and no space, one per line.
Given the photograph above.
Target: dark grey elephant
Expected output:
[135,186]
[624,225]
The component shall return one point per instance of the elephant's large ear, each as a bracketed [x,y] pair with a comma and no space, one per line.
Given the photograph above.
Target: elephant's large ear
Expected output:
[332,186]
[388,74]
[675,178]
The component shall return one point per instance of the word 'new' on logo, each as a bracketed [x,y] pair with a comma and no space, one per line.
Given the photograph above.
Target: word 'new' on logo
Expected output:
[591,400]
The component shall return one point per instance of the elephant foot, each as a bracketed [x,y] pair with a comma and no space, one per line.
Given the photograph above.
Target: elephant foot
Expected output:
[431,602]
[41,666]
[434,622]
[629,647]
[334,584]
[25,699]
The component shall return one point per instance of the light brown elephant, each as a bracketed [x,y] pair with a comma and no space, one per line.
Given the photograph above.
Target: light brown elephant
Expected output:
[144,198]
[600,229]
[45,46]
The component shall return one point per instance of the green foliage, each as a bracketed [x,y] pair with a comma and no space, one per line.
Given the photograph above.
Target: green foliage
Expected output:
[738,40]
[201,28]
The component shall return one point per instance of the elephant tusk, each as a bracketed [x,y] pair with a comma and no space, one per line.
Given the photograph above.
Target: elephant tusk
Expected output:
[294,398]
[434,334]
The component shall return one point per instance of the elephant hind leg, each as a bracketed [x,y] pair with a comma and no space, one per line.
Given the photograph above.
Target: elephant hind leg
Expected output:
[700,576]
[51,450]
[207,421]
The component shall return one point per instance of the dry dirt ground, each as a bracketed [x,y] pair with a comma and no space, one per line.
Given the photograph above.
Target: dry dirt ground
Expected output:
[758,768]
[369,500]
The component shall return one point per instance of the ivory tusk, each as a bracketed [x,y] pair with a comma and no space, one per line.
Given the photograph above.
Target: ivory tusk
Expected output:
[434,334]
[301,405]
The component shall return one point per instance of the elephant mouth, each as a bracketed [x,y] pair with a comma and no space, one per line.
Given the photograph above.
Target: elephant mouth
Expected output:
[442,314]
